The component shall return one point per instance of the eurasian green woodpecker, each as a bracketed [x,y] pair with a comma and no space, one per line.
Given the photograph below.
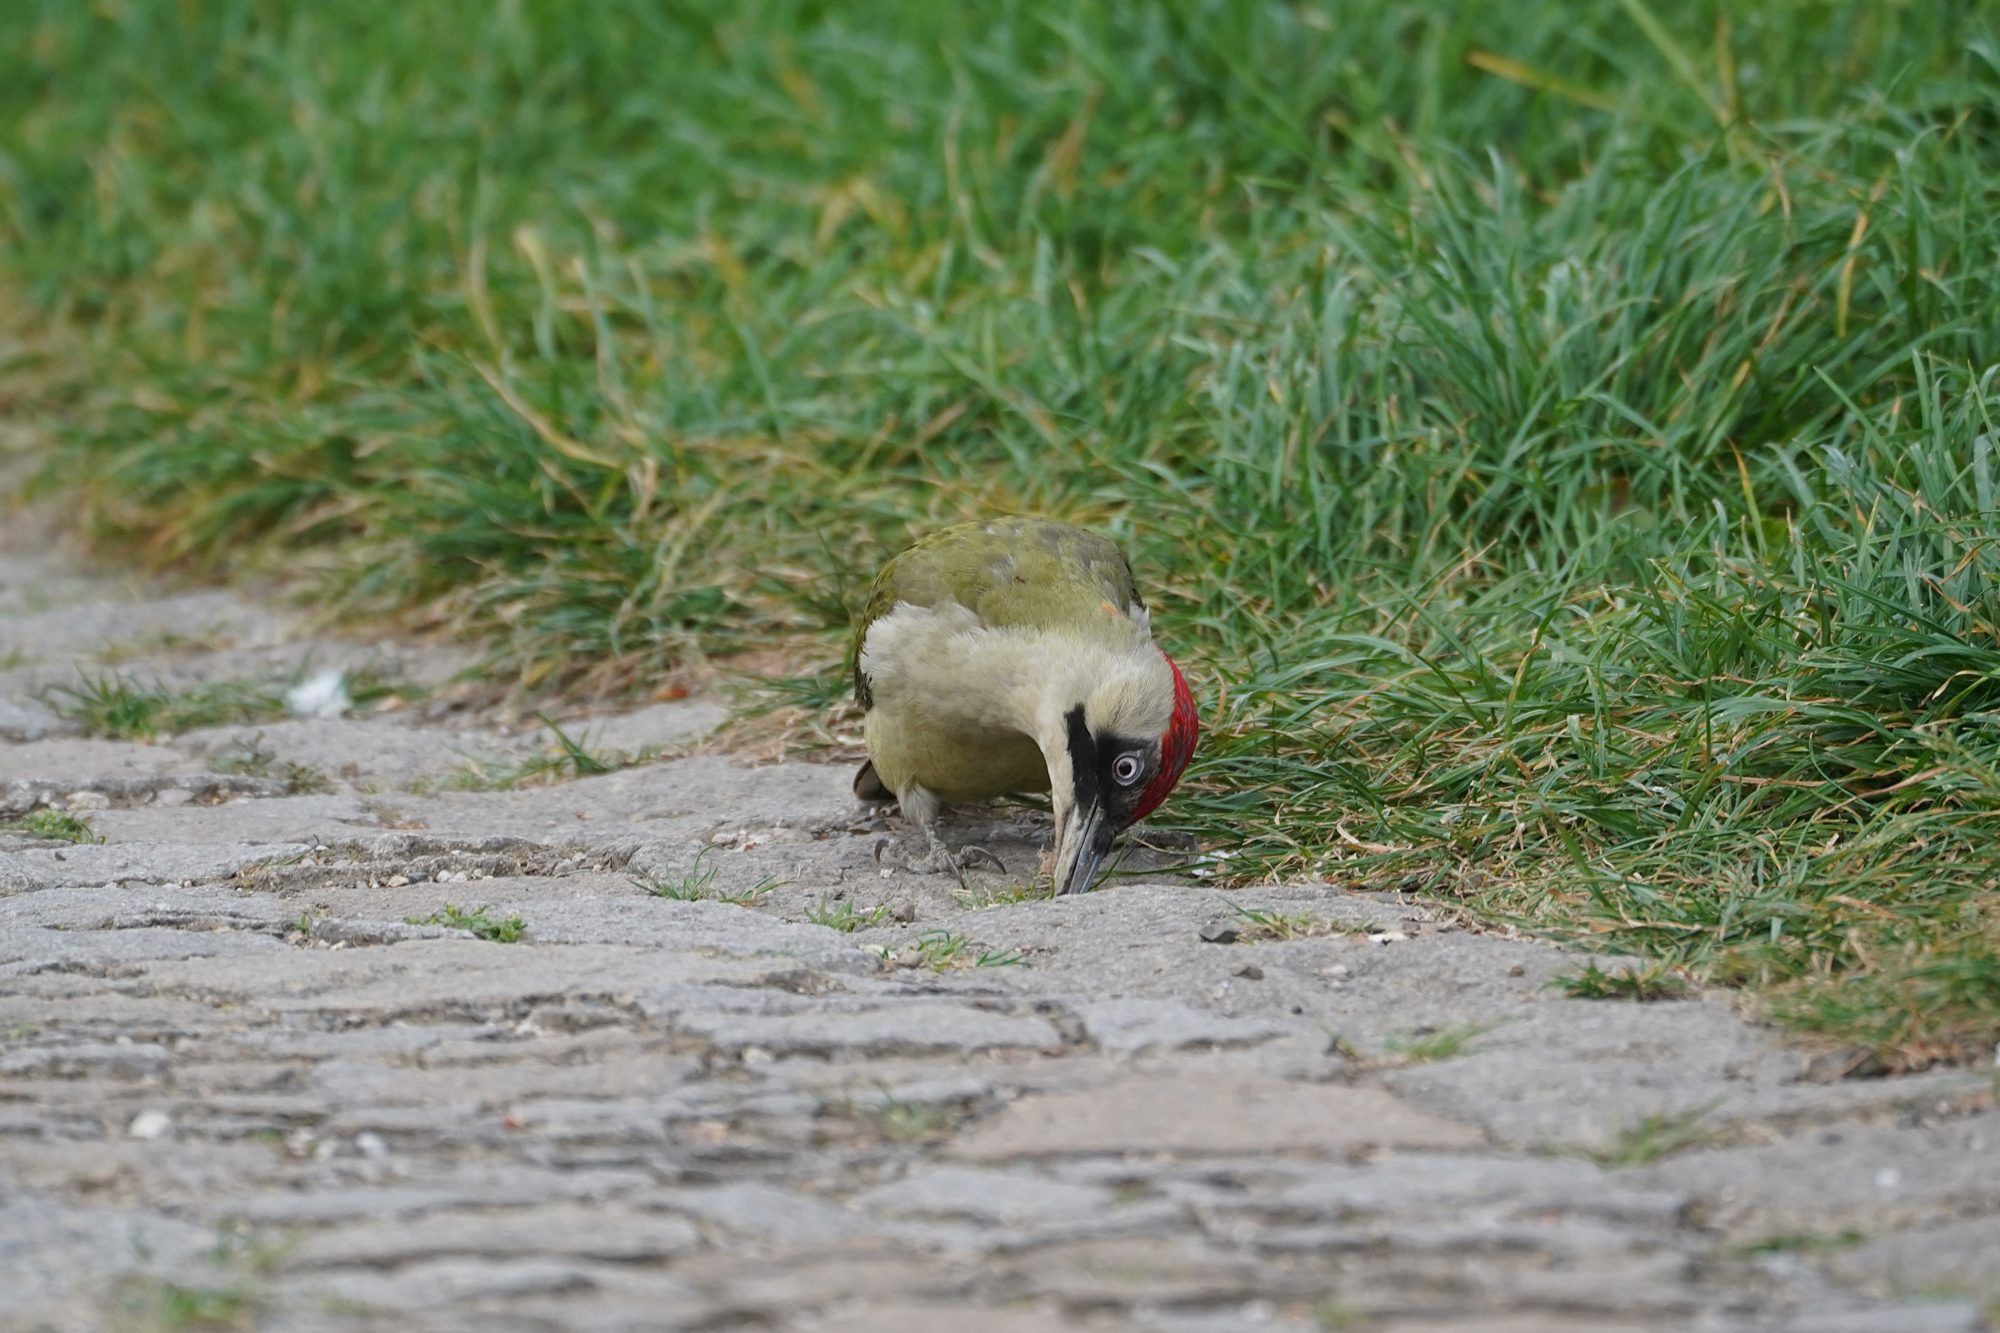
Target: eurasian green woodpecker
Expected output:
[1016,656]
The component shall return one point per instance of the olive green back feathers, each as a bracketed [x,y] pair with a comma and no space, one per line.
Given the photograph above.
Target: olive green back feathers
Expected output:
[1025,572]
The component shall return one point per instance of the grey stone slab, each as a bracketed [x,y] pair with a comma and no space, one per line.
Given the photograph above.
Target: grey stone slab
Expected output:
[281,819]
[106,1059]
[30,720]
[386,751]
[1001,1197]
[1129,1025]
[1866,1177]
[920,1028]
[771,1215]
[61,1261]
[1188,1113]
[610,1233]
[1960,1257]
[75,762]
[135,863]
[661,726]
[452,1285]
[89,628]
[329,1198]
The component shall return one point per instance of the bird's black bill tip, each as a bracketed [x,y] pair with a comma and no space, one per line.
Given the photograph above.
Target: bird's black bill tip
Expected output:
[1083,841]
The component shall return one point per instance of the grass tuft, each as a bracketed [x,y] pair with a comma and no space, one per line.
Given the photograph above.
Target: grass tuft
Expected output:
[697,884]
[117,708]
[1627,983]
[1422,1047]
[1657,1136]
[845,917]
[250,757]
[480,921]
[55,825]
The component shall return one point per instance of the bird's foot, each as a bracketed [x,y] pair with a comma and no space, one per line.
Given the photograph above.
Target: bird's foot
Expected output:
[939,860]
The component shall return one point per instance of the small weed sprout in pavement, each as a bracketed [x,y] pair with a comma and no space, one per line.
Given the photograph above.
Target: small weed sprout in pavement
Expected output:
[56,826]
[1423,1047]
[117,708]
[479,921]
[1626,983]
[844,916]
[697,884]
[1657,1136]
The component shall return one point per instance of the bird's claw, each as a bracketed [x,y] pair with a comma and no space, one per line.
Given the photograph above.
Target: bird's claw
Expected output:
[969,854]
[940,860]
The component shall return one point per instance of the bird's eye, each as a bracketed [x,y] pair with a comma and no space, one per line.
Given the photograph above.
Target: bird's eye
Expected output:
[1126,769]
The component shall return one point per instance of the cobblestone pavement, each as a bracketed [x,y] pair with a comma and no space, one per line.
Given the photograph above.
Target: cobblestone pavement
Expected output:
[239,1088]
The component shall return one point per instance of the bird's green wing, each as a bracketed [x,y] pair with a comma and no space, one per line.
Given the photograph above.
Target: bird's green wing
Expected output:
[1008,572]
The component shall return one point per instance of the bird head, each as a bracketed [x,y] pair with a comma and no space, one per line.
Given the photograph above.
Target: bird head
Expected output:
[1116,753]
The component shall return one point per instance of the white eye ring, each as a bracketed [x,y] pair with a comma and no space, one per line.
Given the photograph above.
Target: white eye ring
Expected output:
[1126,768]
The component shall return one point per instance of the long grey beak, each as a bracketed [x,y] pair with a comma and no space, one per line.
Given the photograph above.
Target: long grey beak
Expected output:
[1083,840]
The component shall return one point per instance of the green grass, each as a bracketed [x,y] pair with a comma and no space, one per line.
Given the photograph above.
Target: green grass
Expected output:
[697,884]
[1557,437]
[564,760]
[55,825]
[1257,923]
[1002,895]
[1626,983]
[480,921]
[1655,1136]
[250,757]
[943,950]
[844,916]
[1423,1047]
[155,1303]
[118,708]
[1815,1242]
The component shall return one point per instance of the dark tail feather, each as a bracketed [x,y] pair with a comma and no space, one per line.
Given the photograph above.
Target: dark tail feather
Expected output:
[869,787]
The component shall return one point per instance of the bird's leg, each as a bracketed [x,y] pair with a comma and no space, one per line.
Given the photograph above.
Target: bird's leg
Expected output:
[922,808]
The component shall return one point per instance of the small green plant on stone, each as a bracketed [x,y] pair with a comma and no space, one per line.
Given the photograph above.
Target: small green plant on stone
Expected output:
[1000,958]
[748,897]
[910,1122]
[697,884]
[1254,923]
[1656,1136]
[55,825]
[941,949]
[567,760]
[251,759]
[1804,1242]
[174,1305]
[1653,982]
[479,921]
[974,898]
[1422,1047]
[845,917]
[120,709]
[692,885]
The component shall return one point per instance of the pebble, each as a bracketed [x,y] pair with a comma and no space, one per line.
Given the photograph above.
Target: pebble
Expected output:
[150,1125]
[87,800]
